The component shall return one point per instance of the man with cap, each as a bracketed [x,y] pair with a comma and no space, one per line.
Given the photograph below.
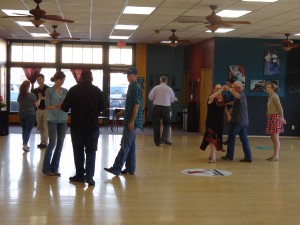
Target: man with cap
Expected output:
[133,115]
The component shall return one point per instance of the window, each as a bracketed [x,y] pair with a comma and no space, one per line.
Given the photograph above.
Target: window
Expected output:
[18,76]
[82,54]
[121,56]
[33,52]
[70,80]
[118,90]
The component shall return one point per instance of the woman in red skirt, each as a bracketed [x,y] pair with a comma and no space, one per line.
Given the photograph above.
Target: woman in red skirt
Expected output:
[275,119]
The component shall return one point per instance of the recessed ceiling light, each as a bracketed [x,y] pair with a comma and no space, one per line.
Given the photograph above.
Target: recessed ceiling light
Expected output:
[259,0]
[119,37]
[39,34]
[221,30]
[12,12]
[25,24]
[138,10]
[126,27]
[232,13]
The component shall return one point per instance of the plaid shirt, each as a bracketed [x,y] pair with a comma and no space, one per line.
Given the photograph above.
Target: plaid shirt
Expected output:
[134,96]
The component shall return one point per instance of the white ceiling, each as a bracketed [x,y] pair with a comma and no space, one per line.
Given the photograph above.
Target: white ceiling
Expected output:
[95,19]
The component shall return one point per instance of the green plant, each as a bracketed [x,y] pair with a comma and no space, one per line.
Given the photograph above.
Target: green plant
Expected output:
[2,104]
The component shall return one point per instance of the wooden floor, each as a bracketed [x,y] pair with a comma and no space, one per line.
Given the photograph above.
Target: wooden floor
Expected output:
[261,192]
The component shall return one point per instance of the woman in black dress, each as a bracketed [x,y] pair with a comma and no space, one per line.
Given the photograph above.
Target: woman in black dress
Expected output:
[214,123]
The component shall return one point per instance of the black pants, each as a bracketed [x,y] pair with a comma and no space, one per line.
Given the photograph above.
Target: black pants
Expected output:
[161,113]
[84,149]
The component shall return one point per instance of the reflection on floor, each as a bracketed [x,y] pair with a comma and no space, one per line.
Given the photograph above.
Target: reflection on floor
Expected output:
[260,192]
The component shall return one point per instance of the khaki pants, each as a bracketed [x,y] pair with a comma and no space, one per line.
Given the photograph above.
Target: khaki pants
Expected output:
[42,125]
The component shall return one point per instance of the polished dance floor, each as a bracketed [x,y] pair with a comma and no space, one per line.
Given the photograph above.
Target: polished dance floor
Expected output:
[261,192]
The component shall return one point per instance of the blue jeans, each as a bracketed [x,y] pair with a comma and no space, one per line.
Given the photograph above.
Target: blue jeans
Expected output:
[126,153]
[236,128]
[57,133]
[27,123]
[85,143]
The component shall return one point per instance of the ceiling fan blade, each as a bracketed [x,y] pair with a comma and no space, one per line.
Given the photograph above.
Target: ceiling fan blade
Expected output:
[57,18]
[223,24]
[18,16]
[237,22]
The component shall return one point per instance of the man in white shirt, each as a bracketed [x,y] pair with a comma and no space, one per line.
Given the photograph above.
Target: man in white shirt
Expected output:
[162,97]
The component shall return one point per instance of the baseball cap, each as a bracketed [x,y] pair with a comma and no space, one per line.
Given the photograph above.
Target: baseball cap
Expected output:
[131,70]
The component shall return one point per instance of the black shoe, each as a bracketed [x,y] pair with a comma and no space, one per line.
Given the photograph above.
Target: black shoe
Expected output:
[111,170]
[246,160]
[166,142]
[225,142]
[77,179]
[157,144]
[42,146]
[90,181]
[126,172]
[225,158]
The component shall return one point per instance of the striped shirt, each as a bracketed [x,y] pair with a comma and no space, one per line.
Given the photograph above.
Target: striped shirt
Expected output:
[134,96]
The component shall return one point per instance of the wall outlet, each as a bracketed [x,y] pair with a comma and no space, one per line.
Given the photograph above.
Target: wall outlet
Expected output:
[293,127]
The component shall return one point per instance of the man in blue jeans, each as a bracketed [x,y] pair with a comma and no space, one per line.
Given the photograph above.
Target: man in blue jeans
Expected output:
[133,115]
[239,122]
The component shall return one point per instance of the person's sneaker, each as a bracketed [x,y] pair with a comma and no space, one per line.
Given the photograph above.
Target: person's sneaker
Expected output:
[166,142]
[225,158]
[211,160]
[43,146]
[273,159]
[246,160]
[77,179]
[26,148]
[110,170]
[127,172]
[90,181]
[49,174]
[57,174]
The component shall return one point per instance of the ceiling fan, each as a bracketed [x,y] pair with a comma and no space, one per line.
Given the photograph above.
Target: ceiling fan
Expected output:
[286,44]
[56,36]
[213,21]
[38,14]
[174,41]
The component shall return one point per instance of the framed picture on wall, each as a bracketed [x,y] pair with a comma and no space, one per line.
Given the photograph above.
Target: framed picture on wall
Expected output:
[237,73]
[272,62]
[259,85]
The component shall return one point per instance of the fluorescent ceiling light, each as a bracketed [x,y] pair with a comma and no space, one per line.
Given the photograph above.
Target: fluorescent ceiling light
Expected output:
[232,13]
[12,12]
[126,27]
[138,10]
[259,0]
[39,34]
[297,34]
[119,37]
[221,30]
[25,24]
[168,42]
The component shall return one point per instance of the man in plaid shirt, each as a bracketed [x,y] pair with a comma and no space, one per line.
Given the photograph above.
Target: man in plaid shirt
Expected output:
[133,115]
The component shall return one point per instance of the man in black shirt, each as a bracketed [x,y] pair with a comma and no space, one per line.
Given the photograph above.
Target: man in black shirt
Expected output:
[86,102]
[41,113]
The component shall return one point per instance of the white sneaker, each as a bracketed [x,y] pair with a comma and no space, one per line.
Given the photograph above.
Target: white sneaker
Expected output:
[26,148]
[211,160]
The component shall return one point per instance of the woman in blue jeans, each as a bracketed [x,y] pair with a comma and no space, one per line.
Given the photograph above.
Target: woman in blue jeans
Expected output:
[57,124]
[27,103]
